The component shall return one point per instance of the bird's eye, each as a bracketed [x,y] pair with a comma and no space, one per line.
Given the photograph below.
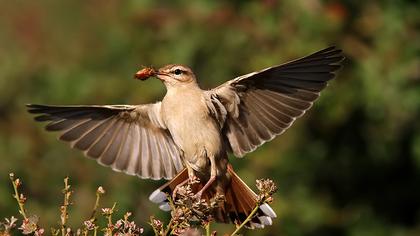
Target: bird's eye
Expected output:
[177,71]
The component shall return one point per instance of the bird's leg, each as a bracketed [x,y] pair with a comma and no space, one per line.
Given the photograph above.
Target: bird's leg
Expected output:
[206,186]
[213,172]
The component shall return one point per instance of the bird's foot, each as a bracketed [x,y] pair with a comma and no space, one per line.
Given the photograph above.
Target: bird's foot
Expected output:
[194,180]
[206,186]
[176,189]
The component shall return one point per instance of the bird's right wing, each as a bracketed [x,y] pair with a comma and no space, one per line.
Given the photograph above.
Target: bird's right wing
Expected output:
[132,139]
[256,107]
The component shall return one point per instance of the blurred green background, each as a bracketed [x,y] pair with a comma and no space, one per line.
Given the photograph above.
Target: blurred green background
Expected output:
[351,166]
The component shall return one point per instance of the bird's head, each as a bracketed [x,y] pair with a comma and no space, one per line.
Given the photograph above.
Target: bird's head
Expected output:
[171,75]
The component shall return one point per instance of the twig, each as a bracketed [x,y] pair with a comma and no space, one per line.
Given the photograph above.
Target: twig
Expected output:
[100,191]
[66,202]
[169,227]
[19,197]
[208,229]
[89,225]
[107,212]
[246,220]
[157,226]
[266,189]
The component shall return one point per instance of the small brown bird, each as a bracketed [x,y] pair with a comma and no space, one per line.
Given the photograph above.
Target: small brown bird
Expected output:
[190,132]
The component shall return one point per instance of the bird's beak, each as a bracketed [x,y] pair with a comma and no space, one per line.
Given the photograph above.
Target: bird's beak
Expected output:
[163,76]
[148,72]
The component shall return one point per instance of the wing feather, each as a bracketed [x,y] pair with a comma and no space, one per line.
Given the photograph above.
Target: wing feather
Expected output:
[263,104]
[121,161]
[132,139]
[87,140]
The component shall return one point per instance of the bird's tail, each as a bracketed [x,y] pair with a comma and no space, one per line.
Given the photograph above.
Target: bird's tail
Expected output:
[239,202]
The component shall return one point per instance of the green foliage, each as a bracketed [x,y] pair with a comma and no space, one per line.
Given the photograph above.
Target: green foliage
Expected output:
[351,166]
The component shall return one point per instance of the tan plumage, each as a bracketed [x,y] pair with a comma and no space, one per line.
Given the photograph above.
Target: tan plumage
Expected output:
[195,128]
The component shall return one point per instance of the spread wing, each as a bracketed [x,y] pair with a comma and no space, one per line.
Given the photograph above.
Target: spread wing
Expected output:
[132,139]
[255,107]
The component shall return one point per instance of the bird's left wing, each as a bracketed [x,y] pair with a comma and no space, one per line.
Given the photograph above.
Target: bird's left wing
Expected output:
[255,107]
[132,139]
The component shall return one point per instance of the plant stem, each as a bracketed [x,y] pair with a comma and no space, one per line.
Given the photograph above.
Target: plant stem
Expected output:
[109,227]
[17,197]
[246,220]
[66,203]
[168,228]
[208,229]
[95,207]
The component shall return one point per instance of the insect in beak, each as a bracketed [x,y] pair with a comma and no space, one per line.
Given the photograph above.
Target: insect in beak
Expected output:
[145,73]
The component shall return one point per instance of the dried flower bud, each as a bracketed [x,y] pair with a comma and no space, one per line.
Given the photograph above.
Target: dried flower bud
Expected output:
[89,224]
[127,215]
[156,224]
[126,227]
[119,223]
[100,190]
[39,232]
[107,211]
[22,198]
[18,183]
[9,223]
[29,225]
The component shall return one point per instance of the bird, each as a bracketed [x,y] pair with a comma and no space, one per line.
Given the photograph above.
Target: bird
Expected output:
[190,132]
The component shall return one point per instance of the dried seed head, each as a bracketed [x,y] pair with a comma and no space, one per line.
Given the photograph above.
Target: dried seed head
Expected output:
[156,224]
[29,225]
[267,188]
[89,224]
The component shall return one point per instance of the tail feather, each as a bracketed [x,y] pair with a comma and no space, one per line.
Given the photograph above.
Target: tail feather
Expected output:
[244,201]
[159,196]
[240,200]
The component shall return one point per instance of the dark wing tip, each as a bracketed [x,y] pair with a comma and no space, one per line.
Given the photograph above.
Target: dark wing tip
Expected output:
[38,111]
[35,105]
[329,49]
[331,52]
[34,108]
